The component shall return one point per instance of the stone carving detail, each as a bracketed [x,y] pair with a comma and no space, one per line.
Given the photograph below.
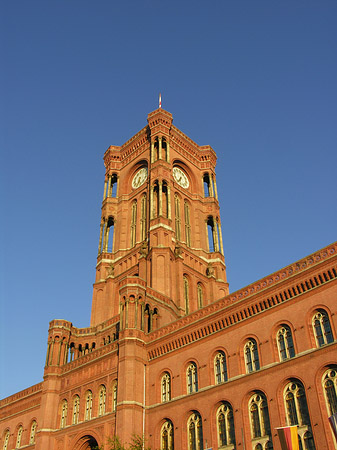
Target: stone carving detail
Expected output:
[210,271]
[111,271]
[177,251]
[143,251]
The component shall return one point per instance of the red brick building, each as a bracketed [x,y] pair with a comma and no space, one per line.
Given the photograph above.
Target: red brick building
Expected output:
[170,353]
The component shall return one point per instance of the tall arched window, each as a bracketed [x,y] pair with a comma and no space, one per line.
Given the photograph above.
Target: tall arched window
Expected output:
[6,440]
[164,200]
[88,405]
[108,235]
[167,436]
[225,422]
[166,387]
[330,390]
[101,400]
[114,397]
[186,294]
[213,244]
[200,295]
[76,409]
[192,378]
[187,224]
[113,186]
[220,368]
[285,343]
[195,437]
[19,437]
[251,356]
[143,219]
[207,184]
[177,216]
[133,222]
[297,412]
[32,432]
[259,417]
[64,412]
[322,328]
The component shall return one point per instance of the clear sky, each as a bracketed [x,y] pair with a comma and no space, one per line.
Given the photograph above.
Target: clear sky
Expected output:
[255,79]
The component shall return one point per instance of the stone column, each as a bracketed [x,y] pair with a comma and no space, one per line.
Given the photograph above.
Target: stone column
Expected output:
[109,185]
[105,186]
[211,191]
[159,147]
[160,195]
[106,239]
[215,237]
[151,201]
[168,202]
[100,238]
[215,189]
[220,236]
[152,151]
[167,150]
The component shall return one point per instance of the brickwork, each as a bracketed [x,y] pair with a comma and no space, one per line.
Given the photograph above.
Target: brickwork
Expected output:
[169,352]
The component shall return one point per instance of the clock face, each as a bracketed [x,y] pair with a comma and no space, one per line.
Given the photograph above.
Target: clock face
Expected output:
[139,178]
[180,177]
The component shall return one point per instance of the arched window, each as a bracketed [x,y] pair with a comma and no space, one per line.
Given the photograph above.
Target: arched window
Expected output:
[143,219]
[177,216]
[322,328]
[114,397]
[88,405]
[101,400]
[213,245]
[32,432]
[166,387]
[251,356]
[285,343]
[225,421]
[186,294]
[76,409]
[64,412]
[164,152]
[108,235]
[192,378]
[194,427]
[297,412]
[6,440]
[220,368]
[259,416]
[200,295]
[164,199]
[187,224]
[133,222]
[330,390]
[113,186]
[207,185]
[167,436]
[19,437]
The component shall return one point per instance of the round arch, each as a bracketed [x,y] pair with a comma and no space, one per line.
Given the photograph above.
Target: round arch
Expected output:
[87,442]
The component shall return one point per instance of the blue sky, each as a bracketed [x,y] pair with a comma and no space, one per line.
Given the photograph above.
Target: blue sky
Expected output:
[256,80]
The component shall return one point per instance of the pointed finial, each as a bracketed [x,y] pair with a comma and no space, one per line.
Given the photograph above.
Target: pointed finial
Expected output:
[159,100]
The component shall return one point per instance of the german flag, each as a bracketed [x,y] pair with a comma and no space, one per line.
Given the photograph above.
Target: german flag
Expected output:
[288,438]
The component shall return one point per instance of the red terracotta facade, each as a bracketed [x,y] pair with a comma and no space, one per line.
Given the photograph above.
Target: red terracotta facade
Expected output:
[169,352]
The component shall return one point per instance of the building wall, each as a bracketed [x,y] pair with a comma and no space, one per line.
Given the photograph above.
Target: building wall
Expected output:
[161,303]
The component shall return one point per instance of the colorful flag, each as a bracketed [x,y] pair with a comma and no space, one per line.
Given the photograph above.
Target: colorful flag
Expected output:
[288,438]
[159,100]
[333,423]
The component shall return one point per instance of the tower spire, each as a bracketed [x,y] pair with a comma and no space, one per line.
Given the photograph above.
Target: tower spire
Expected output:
[159,100]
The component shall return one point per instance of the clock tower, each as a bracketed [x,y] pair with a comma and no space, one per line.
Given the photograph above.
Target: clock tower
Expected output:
[160,253]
